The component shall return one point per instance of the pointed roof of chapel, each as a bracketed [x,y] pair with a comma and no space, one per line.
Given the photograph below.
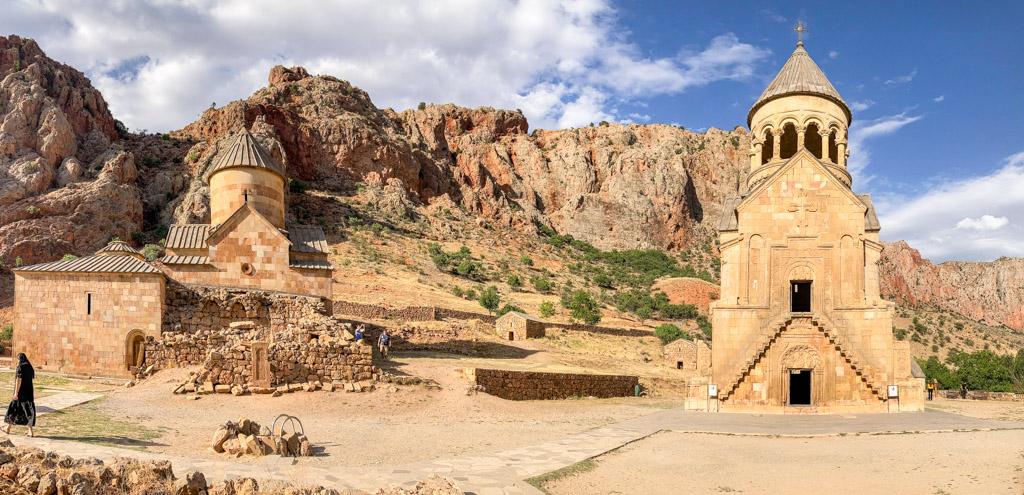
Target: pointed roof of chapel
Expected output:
[800,76]
[244,151]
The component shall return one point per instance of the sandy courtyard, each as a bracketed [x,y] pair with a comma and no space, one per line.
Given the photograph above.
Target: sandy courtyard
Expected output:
[990,462]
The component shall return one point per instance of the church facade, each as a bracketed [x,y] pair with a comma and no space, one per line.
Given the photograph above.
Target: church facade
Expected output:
[800,326]
[94,315]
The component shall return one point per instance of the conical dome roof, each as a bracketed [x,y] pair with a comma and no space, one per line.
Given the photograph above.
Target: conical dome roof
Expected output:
[800,76]
[119,248]
[245,152]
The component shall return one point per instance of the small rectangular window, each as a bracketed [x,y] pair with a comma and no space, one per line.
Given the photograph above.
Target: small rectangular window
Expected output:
[88,303]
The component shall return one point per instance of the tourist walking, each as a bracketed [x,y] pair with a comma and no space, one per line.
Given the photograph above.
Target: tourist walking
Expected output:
[384,341]
[22,410]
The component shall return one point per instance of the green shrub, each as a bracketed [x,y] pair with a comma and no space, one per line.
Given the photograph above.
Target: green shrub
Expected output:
[422,106]
[900,334]
[66,258]
[151,251]
[959,325]
[508,308]
[18,262]
[297,186]
[32,210]
[644,313]
[490,299]
[515,281]
[138,237]
[704,325]
[547,309]
[470,293]
[603,123]
[603,280]
[457,291]
[541,284]
[582,307]
[465,268]
[7,332]
[526,260]
[668,332]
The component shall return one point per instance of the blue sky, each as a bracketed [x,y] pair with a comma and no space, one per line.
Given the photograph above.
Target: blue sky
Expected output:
[937,88]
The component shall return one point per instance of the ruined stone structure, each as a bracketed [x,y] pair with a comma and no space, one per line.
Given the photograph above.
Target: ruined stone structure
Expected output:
[519,326]
[246,279]
[800,323]
[537,385]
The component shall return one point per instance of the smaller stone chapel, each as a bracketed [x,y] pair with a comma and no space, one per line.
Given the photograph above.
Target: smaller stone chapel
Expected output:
[96,315]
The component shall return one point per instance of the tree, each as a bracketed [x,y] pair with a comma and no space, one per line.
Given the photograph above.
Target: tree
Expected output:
[582,307]
[514,281]
[603,280]
[526,260]
[644,312]
[151,251]
[668,332]
[541,284]
[547,309]
[509,307]
[422,106]
[490,299]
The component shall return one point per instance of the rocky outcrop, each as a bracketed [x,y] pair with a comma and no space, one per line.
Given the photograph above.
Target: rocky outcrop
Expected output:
[990,292]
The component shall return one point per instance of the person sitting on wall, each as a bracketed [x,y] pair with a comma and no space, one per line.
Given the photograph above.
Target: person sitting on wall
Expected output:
[384,342]
[22,410]
[359,333]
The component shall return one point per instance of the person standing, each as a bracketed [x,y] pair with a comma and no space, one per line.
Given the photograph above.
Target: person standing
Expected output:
[963,389]
[384,341]
[22,410]
[931,389]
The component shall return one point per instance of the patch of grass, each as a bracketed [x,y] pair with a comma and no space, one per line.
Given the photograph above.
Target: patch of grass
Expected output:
[88,424]
[573,470]
[38,381]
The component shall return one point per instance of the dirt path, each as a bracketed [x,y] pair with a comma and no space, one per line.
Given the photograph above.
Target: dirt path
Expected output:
[990,462]
[388,426]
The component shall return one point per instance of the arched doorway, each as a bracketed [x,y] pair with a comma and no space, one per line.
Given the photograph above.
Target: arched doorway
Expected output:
[135,349]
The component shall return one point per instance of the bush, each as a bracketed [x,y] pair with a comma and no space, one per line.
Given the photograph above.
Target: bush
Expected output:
[541,284]
[7,332]
[508,308]
[526,260]
[465,268]
[514,281]
[582,307]
[69,257]
[705,326]
[151,251]
[900,334]
[297,186]
[668,332]
[603,280]
[457,291]
[18,262]
[32,210]
[644,312]
[547,309]
[422,106]
[489,298]
[120,128]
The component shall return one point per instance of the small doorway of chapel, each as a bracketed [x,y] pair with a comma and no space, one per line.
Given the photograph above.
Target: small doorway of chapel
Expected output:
[799,387]
[800,297]
[136,352]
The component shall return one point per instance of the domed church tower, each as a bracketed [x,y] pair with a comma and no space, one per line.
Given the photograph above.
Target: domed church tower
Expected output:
[800,325]
[246,174]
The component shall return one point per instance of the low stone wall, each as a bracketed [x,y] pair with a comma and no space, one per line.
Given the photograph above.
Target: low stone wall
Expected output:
[374,312]
[535,385]
[981,395]
[190,309]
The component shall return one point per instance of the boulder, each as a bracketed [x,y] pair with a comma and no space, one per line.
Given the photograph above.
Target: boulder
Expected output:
[219,437]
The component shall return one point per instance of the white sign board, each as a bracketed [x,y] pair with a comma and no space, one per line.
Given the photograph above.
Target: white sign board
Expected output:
[712,390]
[894,391]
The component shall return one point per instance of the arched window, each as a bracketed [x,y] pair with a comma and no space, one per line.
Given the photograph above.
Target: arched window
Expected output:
[812,140]
[768,148]
[787,146]
[833,149]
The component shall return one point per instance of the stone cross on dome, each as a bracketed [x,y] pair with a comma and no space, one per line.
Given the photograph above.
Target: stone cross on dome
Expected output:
[800,32]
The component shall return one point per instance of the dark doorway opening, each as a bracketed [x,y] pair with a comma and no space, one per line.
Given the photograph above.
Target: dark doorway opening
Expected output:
[801,297]
[511,336]
[679,365]
[799,387]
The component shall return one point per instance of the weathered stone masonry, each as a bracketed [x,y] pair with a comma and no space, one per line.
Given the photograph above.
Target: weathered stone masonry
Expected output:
[535,385]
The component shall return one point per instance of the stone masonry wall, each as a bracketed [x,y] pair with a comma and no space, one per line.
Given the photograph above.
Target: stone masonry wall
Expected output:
[981,395]
[535,385]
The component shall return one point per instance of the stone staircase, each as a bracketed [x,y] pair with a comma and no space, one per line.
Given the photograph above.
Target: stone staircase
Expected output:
[824,325]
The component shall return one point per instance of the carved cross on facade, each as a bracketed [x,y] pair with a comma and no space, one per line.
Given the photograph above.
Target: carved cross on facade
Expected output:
[802,204]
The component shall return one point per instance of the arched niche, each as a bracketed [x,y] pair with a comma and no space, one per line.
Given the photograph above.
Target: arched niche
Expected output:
[134,349]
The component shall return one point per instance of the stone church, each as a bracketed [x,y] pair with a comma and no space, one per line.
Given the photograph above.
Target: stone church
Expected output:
[800,326]
[95,315]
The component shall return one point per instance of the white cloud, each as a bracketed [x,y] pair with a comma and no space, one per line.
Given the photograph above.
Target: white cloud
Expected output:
[860,132]
[773,16]
[984,222]
[973,219]
[939,98]
[860,106]
[902,79]
[637,117]
[833,54]
[564,63]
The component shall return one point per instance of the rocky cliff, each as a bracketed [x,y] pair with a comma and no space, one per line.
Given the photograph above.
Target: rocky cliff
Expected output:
[992,292]
[69,181]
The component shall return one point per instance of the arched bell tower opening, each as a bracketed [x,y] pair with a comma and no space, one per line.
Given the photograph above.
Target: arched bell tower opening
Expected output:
[787,145]
[813,140]
[768,148]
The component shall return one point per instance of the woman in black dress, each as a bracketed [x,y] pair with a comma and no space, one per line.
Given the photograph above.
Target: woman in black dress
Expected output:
[22,410]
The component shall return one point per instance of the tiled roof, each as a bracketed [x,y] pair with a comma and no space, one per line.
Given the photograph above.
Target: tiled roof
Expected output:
[308,239]
[244,152]
[95,264]
[312,265]
[523,315]
[185,260]
[118,247]
[800,75]
[870,217]
[187,236]
[729,221]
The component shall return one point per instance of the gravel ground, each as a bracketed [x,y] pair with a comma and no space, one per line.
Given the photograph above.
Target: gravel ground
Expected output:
[990,462]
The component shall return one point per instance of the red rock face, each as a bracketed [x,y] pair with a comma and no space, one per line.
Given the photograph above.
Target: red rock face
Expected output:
[989,292]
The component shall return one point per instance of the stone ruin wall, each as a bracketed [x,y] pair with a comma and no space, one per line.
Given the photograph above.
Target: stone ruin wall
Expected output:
[535,385]
[979,395]
[216,327]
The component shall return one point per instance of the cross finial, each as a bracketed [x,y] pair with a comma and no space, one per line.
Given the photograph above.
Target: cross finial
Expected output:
[800,31]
